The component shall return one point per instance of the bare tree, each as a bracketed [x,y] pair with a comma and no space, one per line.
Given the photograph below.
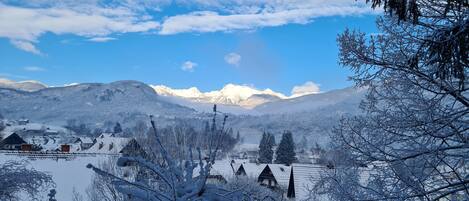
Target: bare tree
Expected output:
[101,188]
[173,179]
[414,133]
[15,179]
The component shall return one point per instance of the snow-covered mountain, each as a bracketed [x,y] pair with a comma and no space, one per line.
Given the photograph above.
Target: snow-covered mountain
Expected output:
[29,85]
[252,110]
[350,97]
[123,101]
[230,94]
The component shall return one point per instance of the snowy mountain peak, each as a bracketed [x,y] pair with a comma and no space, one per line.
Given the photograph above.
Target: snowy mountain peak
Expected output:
[192,92]
[28,85]
[230,94]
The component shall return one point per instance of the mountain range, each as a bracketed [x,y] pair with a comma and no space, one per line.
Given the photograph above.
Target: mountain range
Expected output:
[231,94]
[252,110]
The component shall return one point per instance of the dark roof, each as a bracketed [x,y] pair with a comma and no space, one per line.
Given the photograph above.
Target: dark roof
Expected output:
[12,139]
[133,148]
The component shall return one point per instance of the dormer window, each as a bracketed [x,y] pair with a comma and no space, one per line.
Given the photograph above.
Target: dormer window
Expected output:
[101,145]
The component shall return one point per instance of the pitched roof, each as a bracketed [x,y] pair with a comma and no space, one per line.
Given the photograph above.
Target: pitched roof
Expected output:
[108,144]
[281,174]
[305,176]
[12,139]
[85,140]
[252,169]
[220,167]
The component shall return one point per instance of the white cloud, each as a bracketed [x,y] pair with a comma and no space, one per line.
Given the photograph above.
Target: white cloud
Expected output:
[257,16]
[305,89]
[26,46]
[188,66]
[233,58]
[24,25]
[24,22]
[101,39]
[33,68]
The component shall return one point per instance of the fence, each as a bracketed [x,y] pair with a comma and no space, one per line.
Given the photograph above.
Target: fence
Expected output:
[52,154]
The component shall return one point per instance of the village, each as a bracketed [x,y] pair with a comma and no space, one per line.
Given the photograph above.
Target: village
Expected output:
[34,141]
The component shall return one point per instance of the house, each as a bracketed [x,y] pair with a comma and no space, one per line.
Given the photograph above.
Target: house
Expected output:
[12,142]
[107,143]
[250,170]
[303,177]
[220,173]
[133,148]
[275,176]
[84,142]
[245,151]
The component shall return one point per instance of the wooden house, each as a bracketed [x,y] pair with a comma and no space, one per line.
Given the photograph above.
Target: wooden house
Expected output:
[12,142]
[303,177]
[275,176]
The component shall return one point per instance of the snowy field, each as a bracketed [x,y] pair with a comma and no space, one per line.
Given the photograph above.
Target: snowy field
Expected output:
[67,174]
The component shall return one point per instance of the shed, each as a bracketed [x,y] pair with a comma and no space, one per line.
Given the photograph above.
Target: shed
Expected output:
[65,148]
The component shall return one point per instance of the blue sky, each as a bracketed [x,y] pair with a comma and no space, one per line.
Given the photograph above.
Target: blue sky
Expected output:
[179,43]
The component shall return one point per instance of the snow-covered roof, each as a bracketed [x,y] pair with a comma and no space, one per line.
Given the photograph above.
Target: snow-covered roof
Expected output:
[253,169]
[35,127]
[5,134]
[305,176]
[87,140]
[108,144]
[281,174]
[220,167]
[106,135]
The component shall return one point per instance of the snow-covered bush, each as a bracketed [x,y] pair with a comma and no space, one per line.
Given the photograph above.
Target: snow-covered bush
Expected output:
[17,179]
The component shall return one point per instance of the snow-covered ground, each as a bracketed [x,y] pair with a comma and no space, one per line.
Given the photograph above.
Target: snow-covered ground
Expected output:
[67,174]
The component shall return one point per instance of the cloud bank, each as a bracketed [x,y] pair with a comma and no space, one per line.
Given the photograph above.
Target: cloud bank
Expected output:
[24,22]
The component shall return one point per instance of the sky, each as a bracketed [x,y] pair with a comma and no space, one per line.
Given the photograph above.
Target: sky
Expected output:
[281,45]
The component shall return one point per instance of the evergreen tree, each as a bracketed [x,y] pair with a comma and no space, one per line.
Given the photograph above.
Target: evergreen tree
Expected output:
[286,149]
[271,139]
[117,128]
[265,149]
